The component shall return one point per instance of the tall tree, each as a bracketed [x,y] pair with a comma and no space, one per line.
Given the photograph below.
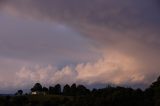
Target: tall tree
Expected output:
[66,90]
[57,89]
[37,87]
[51,90]
[154,92]
[73,89]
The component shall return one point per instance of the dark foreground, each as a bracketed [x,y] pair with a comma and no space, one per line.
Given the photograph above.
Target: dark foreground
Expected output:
[74,96]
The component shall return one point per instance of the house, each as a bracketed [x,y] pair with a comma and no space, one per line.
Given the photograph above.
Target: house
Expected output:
[38,93]
[34,93]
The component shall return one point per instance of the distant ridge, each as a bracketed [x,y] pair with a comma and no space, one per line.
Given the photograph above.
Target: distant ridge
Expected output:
[6,94]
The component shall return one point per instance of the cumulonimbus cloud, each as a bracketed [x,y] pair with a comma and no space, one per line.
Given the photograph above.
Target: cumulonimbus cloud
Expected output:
[113,70]
[127,29]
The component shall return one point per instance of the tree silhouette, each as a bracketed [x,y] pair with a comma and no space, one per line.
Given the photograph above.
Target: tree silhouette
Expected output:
[154,92]
[19,92]
[45,89]
[66,90]
[81,96]
[82,90]
[37,87]
[57,89]
[51,90]
[73,89]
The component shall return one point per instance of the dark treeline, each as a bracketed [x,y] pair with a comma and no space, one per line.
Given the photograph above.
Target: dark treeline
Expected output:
[79,95]
[67,90]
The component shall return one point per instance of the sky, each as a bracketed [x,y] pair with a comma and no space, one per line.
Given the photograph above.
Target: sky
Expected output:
[90,42]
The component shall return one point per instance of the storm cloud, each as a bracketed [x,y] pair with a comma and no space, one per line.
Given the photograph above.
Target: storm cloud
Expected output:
[124,32]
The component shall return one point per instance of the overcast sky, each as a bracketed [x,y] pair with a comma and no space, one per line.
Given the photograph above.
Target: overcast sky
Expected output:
[79,41]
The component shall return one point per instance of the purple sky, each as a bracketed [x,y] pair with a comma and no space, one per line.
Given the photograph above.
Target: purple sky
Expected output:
[78,41]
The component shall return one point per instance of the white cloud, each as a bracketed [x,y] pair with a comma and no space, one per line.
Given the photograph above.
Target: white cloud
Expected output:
[113,68]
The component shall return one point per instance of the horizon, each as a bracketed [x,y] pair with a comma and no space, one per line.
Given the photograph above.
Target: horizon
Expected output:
[89,42]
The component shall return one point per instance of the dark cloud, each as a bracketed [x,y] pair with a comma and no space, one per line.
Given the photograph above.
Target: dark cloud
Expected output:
[31,40]
[121,16]
[123,28]
[94,11]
